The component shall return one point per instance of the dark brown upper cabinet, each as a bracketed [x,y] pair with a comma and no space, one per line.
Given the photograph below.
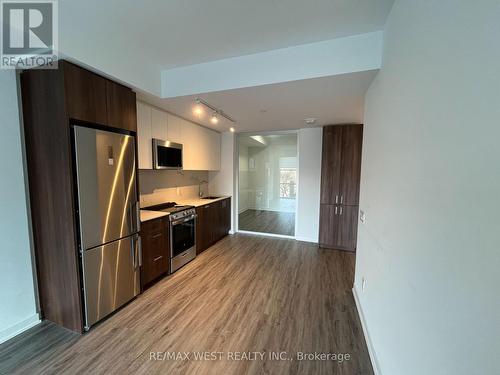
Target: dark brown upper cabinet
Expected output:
[121,107]
[85,94]
[95,99]
[341,164]
[331,164]
[350,171]
[340,179]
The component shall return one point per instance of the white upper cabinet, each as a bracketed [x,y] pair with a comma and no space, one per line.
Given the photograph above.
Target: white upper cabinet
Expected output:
[213,142]
[159,124]
[174,129]
[144,144]
[191,156]
[200,146]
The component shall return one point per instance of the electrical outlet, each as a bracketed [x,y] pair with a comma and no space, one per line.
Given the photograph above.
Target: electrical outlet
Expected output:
[362,216]
[363,283]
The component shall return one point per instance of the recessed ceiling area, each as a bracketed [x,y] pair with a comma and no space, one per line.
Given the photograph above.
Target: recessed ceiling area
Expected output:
[282,106]
[136,42]
[167,34]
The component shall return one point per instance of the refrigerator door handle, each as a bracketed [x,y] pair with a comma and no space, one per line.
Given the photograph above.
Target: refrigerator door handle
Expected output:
[139,253]
[137,216]
[132,251]
[131,217]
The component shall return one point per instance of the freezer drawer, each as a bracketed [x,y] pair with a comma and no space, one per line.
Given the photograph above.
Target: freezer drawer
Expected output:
[111,277]
[106,180]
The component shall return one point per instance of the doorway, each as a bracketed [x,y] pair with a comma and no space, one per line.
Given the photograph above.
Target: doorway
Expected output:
[267,183]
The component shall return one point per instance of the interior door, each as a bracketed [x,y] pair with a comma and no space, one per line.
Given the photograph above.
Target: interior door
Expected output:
[106,179]
[352,139]
[111,277]
[331,164]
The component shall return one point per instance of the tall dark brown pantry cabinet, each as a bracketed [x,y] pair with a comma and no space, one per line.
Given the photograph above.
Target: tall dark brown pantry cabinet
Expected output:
[340,177]
[54,101]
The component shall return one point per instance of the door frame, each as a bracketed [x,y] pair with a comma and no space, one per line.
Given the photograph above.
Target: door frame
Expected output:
[237,182]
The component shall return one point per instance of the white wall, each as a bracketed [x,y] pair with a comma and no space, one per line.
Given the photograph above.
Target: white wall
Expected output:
[222,182]
[17,293]
[309,153]
[430,248]
[160,186]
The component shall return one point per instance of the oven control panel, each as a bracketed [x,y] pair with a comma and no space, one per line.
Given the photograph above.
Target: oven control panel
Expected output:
[182,214]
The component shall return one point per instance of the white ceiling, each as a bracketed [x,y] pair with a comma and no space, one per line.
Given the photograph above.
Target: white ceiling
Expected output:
[283,106]
[133,41]
[176,33]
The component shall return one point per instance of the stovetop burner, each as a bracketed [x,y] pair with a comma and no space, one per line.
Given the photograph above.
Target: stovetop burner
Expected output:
[176,208]
[169,207]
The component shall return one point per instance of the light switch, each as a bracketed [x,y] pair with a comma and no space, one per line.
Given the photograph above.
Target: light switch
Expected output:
[362,216]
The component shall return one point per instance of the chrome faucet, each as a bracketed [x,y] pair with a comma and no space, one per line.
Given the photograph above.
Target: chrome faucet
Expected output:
[200,193]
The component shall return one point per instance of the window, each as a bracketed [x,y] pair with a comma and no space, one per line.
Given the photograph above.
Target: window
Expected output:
[288,182]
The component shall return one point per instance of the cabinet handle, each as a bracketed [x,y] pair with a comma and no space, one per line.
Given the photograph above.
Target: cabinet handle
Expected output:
[341,210]
[158,235]
[336,199]
[336,209]
[139,244]
[157,258]
[341,200]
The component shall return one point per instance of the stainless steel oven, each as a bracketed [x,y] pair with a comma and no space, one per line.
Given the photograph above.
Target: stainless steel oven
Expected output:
[182,238]
[167,155]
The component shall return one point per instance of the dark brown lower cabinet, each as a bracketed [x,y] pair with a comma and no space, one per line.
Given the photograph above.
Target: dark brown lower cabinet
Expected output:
[155,254]
[338,226]
[212,224]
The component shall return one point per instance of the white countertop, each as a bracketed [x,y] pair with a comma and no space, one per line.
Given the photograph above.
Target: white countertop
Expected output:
[196,202]
[150,215]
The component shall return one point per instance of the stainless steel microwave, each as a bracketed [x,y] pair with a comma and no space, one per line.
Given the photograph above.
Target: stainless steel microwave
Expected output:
[167,155]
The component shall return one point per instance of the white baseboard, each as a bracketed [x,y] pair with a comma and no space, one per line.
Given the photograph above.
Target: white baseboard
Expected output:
[19,328]
[306,239]
[371,350]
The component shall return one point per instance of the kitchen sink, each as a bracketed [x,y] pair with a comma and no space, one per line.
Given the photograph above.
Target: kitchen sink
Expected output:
[210,197]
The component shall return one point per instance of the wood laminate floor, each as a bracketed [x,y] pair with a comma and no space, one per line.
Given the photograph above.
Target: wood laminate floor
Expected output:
[267,222]
[244,294]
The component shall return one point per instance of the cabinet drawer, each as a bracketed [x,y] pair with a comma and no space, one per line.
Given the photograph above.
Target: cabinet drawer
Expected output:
[155,254]
[151,226]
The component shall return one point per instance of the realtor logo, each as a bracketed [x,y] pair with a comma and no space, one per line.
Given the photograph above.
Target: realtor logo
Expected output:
[29,34]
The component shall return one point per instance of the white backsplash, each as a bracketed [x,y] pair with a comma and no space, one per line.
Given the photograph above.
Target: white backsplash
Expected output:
[159,186]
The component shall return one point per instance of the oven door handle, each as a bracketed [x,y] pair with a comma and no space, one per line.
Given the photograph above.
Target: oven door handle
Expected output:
[183,220]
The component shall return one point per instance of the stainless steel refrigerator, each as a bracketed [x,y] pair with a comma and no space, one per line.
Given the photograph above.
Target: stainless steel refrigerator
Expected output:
[108,212]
